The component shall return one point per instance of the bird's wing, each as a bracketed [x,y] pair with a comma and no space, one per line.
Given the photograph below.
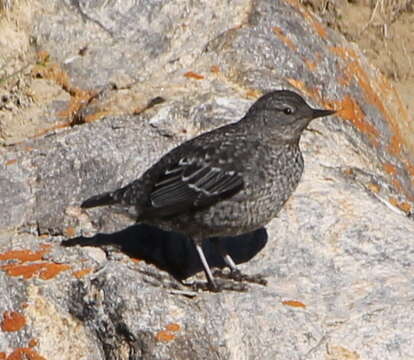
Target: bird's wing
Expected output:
[190,184]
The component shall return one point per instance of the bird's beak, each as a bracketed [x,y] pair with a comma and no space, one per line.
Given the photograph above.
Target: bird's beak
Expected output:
[321,112]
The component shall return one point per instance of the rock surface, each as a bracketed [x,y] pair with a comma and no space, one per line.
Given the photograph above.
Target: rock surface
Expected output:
[140,77]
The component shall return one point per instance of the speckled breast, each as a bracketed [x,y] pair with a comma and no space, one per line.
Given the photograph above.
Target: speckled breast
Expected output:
[266,191]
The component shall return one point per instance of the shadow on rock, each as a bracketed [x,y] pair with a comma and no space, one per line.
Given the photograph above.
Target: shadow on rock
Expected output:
[173,252]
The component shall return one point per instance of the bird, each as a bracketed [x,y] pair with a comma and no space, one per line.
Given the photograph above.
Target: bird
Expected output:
[225,182]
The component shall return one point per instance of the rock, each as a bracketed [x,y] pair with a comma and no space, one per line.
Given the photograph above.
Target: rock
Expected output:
[145,77]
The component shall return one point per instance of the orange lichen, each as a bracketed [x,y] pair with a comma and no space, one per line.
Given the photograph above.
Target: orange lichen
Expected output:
[193,75]
[25,354]
[410,169]
[52,269]
[47,69]
[33,343]
[27,271]
[349,109]
[23,255]
[42,56]
[253,94]
[375,188]
[397,184]
[300,85]
[389,168]
[12,321]
[395,144]
[81,273]
[371,86]
[371,96]
[47,130]
[79,99]
[164,336]
[10,162]
[45,271]
[340,353]
[96,116]
[215,69]
[69,231]
[404,206]
[348,171]
[173,327]
[319,28]
[284,38]
[2,356]
[311,65]
[294,303]
[343,52]
[138,110]
[168,333]
[309,17]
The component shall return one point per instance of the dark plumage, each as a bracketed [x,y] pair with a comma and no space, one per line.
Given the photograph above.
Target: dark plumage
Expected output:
[228,181]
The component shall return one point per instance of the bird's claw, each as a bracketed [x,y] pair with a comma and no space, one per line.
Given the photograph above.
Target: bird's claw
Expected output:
[219,285]
[238,276]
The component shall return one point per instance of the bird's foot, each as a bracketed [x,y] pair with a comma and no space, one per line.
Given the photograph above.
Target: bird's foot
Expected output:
[218,286]
[238,276]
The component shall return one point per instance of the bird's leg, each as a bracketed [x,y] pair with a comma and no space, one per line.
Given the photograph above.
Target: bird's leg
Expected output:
[235,273]
[215,285]
[206,268]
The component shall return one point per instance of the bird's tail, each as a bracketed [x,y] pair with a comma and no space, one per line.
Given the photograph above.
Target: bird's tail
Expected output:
[108,198]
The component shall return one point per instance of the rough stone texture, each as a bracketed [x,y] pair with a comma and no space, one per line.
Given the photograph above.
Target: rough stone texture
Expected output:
[339,258]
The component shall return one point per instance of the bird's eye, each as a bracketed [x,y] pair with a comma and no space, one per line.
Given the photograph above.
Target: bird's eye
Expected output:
[288,110]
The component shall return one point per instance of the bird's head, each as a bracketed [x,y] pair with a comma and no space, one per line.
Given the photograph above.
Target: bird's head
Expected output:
[283,114]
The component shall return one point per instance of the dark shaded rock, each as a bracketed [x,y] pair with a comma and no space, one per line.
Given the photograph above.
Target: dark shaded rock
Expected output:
[172,251]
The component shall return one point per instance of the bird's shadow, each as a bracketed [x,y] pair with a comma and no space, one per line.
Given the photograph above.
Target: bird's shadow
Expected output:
[173,252]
